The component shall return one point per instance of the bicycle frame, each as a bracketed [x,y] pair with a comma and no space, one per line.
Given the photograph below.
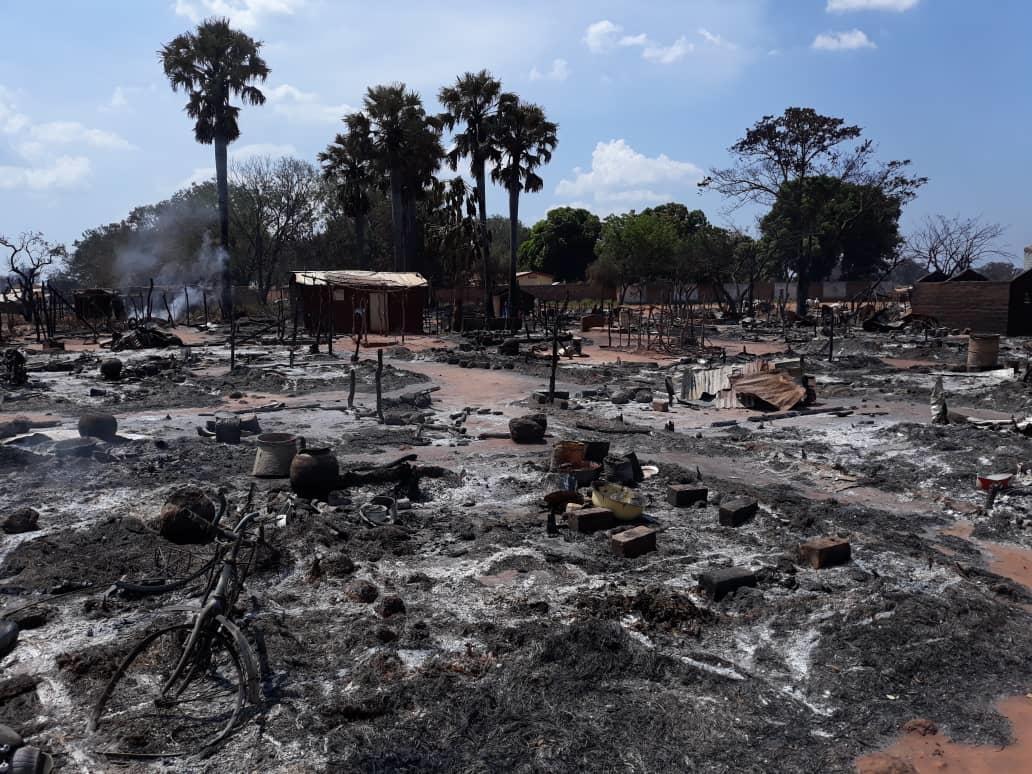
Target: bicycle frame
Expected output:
[217,604]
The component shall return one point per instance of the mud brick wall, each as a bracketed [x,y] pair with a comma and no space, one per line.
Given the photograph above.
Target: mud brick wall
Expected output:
[984,307]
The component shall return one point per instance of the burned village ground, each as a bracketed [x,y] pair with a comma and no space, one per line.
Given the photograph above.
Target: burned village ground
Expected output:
[515,651]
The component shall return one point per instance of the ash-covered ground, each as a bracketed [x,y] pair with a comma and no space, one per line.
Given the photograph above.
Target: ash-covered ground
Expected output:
[466,638]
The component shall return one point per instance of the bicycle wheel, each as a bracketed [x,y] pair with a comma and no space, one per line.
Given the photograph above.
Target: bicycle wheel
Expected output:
[141,714]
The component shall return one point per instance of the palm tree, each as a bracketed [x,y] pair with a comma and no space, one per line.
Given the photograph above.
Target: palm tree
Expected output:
[348,163]
[212,65]
[406,146]
[524,140]
[473,104]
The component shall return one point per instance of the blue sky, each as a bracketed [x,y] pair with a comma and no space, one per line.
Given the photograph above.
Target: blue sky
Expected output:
[648,94]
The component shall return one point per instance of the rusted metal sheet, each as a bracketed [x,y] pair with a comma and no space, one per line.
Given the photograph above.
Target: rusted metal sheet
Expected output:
[719,381]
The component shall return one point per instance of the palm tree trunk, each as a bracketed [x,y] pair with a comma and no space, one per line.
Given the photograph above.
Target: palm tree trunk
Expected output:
[360,238]
[222,186]
[482,245]
[514,211]
[412,262]
[398,221]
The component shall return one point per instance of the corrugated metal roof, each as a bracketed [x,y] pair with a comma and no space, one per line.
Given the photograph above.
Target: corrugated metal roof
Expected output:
[353,278]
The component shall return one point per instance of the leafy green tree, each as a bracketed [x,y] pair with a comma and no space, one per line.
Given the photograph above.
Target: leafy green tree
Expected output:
[687,222]
[778,155]
[634,248]
[212,65]
[471,105]
[998,271]
[348,164]
[822,222]
[499,241]
[562,244]
[524,141]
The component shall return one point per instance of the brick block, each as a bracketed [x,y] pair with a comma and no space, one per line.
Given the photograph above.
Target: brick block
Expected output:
[824,552]
[719,583]
[686,495]
[660,405]
[734,513]
[633,542]
[590,519]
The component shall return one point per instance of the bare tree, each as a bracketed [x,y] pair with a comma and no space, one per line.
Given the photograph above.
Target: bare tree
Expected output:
[952,245]
[276,204]
[29,255]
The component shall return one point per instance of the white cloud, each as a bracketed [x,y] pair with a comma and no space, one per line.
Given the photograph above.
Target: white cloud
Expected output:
[668,54]
[621,177]
[241,13]
[716,40]
[62,172]
[304,106]
[602,35]
[11,121]
[845,6]
[122,98]
[634,40]
[241,153]
[560,72]
[37,144]
[119,99]
[74,133]
[842,41]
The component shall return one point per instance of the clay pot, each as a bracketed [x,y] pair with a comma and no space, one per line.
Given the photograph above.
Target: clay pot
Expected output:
[275,453]
[175,524]
[111,369]
[102,426]
[314,472]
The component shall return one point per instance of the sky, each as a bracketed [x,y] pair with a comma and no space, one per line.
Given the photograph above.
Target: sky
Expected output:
[648,94]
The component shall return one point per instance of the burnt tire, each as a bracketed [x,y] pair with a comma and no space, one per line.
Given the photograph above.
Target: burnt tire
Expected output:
[30,760]
[143,712]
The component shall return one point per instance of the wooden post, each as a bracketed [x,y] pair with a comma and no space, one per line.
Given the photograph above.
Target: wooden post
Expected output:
[404,300]
[318,323]
[168,309]
[34,306]
[232,343]
[379,390]
[555,357]
[831,338]
[351,388]
[150,290]
[186,295]
[609,326]
[297,311]
[329,338]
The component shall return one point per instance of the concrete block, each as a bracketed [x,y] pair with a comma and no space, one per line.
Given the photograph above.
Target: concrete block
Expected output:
[660,405]
[589,520]
[633,542]
[686,495]
[734,513]
[719,583]
[824,552]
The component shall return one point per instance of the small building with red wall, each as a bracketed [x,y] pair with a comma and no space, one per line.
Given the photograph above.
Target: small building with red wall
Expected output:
[970,301]
[352,301]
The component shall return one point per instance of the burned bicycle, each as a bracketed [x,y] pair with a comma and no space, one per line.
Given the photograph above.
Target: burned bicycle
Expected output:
[184,688]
